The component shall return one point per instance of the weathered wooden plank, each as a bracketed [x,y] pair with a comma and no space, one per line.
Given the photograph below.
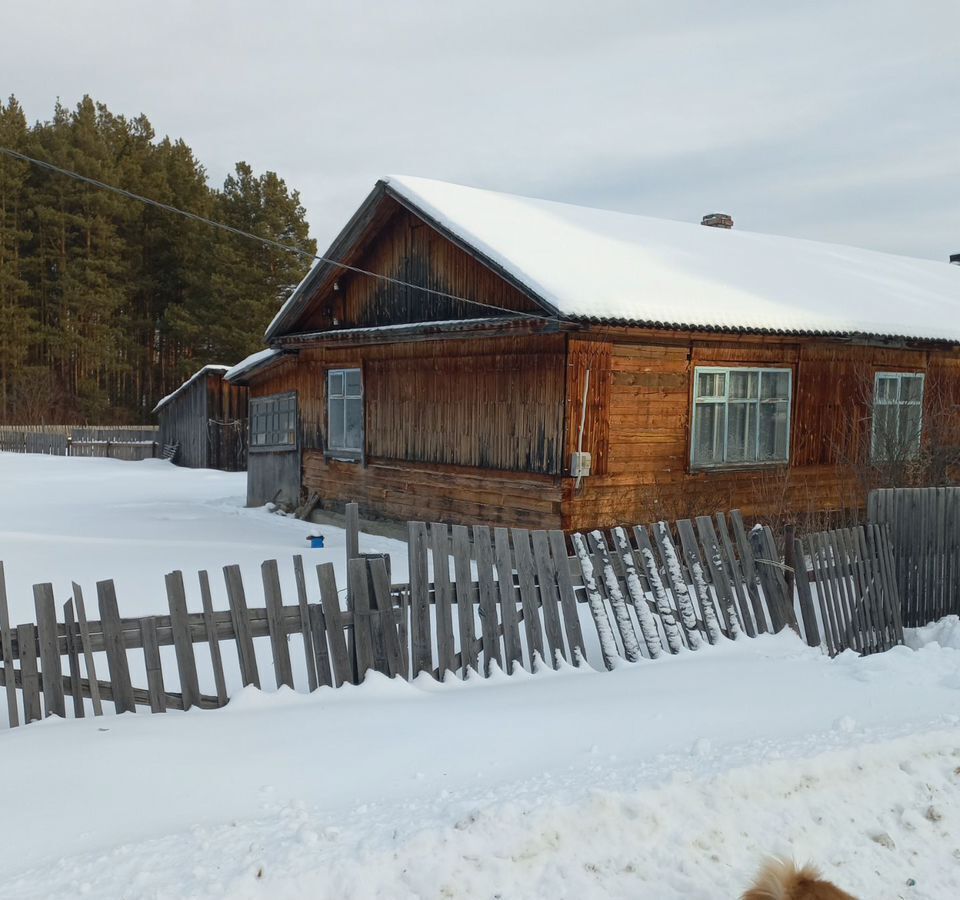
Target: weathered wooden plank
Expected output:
[46,609]
[113,645]
[380,585]
[750,574]
[778,577]
[363,612]
[681,595]
[507,590]
[699,579]
[735,576]
[465,597]
[29,677]
[549,597]
[283,670]
[568,597]
[310,656]
[182,644]
[422,655]
[487,597]
[72,638]
[826,614]
[6,648]
[634,586]
[151,659]
[720,576]
[598,609]
[318,632]
[526,578]
[333,618]
[239,616]
[87,647]
[668,621]
[213,642]
[838,621]
[810,631]
[443,594]
[609,587]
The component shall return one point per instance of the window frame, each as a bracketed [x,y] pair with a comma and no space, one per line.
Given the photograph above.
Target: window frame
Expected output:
[897,404]
[254,413]
[351,454]
[725,402]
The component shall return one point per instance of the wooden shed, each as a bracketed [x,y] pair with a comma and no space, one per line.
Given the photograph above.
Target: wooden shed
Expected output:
[497,359]
[206,418]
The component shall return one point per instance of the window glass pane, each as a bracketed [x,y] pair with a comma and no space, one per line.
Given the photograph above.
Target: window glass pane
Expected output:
[886,389]
[774,429]
[354,425]
[910,429]
[741,431]
[352,377]
[336,423]
[775,386]
[708,433]
[743,385]
[710,384]
[911,388]
[336,384]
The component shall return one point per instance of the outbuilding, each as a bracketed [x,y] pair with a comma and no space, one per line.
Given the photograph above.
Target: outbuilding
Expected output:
[476,357]
[203,423]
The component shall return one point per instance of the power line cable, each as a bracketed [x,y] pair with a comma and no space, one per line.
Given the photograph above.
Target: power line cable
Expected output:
[289,248]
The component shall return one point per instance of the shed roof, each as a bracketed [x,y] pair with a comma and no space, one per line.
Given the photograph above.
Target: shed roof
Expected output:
[206,370]
[262,359]
[595,265]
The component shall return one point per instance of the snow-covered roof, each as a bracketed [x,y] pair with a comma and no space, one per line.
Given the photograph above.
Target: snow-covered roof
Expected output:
[598,265]
[206,370]
[254,361]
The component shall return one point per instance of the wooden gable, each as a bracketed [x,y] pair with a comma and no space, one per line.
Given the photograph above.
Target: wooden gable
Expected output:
[408,250]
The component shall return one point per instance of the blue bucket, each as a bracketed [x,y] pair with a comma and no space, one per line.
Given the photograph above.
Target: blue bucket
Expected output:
[316,541]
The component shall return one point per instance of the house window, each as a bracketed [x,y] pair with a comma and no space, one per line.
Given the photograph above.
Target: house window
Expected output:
[345,410]
[273,422]
[740,417]
[897,416]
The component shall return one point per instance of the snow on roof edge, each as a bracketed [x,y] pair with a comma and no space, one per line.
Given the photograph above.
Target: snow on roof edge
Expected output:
[199,373]
[252,362]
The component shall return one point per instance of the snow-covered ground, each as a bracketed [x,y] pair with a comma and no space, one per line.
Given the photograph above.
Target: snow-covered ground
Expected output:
[660,780]
[66,519]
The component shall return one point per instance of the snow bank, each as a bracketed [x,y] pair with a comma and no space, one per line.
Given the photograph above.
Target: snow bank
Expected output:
[658,780]
[945,633]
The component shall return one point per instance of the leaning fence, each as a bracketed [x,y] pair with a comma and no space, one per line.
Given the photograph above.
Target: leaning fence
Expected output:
[477,599]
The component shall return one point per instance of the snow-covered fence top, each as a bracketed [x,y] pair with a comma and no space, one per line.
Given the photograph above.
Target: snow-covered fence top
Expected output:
[479,600]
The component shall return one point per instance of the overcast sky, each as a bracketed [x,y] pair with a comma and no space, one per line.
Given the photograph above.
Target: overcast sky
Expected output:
[836,120]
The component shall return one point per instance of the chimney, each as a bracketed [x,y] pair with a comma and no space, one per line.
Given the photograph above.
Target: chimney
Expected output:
[955,259]
[717,220]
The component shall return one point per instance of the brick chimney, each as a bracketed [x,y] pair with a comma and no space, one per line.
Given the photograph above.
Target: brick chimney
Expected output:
[955,258]
[717,220]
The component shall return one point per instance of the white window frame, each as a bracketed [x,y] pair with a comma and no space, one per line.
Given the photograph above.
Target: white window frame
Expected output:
[725,401]
[875,452]
[279,413]
[350,451]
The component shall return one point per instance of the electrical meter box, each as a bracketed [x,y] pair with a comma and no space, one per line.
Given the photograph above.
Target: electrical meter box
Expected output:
[580,464]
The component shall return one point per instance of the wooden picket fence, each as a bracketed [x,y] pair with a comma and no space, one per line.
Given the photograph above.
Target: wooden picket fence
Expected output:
[924,526]
[497,598]
[113,441]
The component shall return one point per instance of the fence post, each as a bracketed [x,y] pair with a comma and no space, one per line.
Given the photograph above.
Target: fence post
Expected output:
[352,511]
[790,558]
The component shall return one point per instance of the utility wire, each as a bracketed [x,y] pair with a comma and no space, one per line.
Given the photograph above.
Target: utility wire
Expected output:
[289,248]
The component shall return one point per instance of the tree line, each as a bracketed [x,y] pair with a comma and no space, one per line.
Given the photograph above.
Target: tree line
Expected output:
[107,304]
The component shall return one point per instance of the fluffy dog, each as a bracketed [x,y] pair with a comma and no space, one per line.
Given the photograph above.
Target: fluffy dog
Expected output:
[784,880]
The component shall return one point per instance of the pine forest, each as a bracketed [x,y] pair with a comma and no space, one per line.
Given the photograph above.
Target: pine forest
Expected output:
[107,304]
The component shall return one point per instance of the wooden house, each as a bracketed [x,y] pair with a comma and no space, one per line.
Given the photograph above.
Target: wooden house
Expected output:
[206,418]
[480,357]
